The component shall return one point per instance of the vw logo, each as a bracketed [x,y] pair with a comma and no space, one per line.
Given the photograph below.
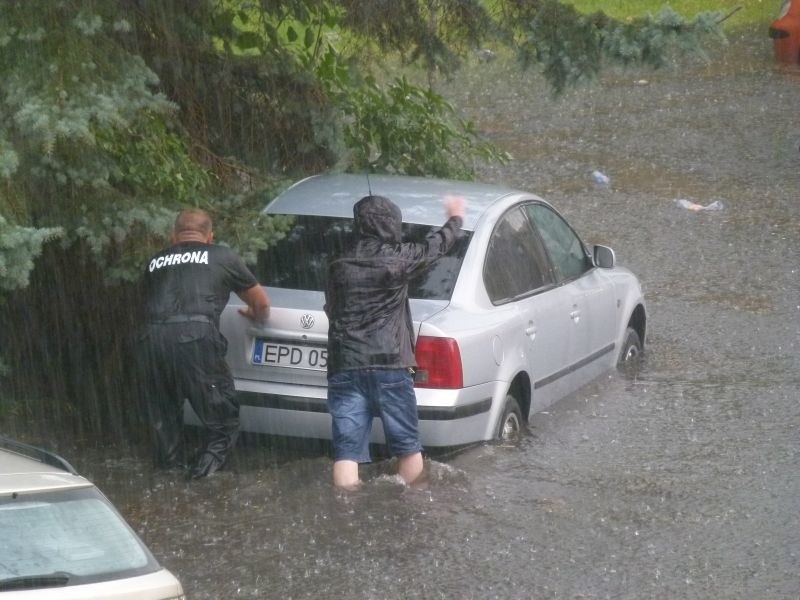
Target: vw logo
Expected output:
[307,321]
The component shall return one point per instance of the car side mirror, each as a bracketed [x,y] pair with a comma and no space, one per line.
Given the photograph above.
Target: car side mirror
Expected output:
[604,257]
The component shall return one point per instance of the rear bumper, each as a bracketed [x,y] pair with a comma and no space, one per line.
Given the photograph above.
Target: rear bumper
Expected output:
[446,417]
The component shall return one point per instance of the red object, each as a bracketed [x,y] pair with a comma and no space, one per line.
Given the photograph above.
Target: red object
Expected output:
[785,33]
[438,363]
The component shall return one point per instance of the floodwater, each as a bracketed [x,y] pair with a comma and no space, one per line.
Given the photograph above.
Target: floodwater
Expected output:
[683,482]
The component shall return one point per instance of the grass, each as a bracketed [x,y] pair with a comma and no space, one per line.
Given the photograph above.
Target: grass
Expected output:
[753,12]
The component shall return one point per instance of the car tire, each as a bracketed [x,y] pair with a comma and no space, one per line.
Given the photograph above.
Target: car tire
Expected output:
[630,357]
[511,424]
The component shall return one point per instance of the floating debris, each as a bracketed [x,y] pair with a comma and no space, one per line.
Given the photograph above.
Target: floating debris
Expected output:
[689,205]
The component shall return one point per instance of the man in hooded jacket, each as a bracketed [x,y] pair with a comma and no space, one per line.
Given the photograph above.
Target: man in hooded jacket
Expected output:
[370,337]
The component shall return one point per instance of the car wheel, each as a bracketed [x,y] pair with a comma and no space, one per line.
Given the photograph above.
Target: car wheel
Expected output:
[631,355]
[511,424]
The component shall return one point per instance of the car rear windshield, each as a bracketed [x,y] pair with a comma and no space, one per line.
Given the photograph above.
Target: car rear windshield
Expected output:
[73,532]
[300,260]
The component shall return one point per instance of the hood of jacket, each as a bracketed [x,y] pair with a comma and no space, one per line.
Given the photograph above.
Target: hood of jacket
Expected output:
[378,217]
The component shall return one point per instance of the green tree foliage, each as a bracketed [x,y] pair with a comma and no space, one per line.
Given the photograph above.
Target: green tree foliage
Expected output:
[19,246]
[435,33]
[407,129]
[571,47]
[84,132]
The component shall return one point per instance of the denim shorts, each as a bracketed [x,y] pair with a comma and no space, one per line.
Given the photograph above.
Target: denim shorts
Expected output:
[355,397]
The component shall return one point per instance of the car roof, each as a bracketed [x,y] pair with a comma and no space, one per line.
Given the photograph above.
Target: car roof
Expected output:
[421,199]
[20,473]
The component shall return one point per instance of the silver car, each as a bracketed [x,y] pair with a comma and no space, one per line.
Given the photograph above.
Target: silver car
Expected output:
[519,314]
[63,540]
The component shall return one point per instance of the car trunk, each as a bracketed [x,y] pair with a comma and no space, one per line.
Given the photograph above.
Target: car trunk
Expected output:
[291,346]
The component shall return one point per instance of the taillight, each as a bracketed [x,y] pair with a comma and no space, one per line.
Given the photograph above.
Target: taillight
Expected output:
[438,363]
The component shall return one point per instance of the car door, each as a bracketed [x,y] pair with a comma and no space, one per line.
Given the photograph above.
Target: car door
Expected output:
[517,271]
[588,296]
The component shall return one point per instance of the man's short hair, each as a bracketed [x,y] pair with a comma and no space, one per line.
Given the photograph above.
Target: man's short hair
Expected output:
[193,219]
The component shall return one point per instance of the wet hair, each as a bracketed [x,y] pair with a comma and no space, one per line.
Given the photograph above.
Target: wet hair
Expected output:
[193,219]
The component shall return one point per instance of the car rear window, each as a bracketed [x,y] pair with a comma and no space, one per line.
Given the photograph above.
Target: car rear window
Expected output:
[74,532]
[300,260]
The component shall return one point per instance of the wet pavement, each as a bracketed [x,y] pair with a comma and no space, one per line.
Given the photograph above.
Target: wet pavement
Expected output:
[683,482]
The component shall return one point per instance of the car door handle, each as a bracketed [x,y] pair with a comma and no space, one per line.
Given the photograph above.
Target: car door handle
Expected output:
[575,315]
[531,331]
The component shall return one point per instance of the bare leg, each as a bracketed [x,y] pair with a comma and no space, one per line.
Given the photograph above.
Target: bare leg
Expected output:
[345,474]
[411,468]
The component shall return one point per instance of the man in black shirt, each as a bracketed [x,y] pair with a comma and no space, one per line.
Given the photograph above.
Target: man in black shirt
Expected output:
[186,287]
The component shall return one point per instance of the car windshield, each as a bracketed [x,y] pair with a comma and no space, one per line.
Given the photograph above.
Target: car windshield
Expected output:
[75,534]
[300,260]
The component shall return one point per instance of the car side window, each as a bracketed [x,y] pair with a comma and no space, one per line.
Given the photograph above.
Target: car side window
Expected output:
[564,247]
[516,263]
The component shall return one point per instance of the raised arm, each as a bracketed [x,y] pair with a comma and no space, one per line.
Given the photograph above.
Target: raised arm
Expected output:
[439,241]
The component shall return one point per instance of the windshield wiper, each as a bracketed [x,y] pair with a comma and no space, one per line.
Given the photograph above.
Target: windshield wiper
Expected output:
[56,579]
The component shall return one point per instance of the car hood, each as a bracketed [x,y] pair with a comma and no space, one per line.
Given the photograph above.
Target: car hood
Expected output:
[17,475]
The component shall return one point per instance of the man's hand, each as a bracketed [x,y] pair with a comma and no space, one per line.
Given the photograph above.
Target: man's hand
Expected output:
[257,304]
[455,206]
[248,312]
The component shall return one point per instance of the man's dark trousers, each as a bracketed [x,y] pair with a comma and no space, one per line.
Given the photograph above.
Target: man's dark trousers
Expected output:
[186,360]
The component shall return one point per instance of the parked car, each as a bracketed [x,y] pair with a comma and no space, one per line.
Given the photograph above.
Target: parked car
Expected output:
[785,33]
[63,540]
[519,314]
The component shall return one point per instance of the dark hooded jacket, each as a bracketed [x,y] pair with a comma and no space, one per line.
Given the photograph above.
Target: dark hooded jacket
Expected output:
[366,299]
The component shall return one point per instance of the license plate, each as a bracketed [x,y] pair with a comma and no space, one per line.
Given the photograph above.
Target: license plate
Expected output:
[288,355]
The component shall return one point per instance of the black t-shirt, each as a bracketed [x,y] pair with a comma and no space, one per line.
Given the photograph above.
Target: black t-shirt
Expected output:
[193,279]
